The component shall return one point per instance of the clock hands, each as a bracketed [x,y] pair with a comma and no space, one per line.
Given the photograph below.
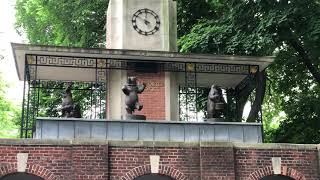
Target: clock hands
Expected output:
[146,22]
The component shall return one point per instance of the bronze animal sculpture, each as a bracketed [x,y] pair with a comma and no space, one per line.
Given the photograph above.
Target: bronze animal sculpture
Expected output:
[69,108]
[131,89]
[216,103]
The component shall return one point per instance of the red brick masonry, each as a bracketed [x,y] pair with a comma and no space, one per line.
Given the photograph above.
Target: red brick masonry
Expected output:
[95,160]
[153,97]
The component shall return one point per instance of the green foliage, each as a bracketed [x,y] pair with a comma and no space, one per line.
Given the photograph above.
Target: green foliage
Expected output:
[190,12]
[297,95]
[229,33]
[268,28]
[57,22]
[9,115]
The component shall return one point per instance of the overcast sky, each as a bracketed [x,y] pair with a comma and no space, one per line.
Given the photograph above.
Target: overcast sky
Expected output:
[8,35]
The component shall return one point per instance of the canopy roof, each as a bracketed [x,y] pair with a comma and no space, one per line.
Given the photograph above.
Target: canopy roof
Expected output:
[52,65]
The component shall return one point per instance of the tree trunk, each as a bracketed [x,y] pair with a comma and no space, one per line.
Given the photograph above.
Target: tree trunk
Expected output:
[242,98]
[306,59]
[260,92]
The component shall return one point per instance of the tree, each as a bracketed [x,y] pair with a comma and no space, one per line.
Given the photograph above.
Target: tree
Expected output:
[9,114]
[57,22]
[287,29]
[299,98]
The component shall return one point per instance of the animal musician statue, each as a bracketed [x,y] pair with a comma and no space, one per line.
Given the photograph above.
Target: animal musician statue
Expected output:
[131,90]
[69,108]
[216,103]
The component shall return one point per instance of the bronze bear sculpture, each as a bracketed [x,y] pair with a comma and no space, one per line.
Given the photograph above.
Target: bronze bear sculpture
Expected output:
[131,90]
[216,103]
[69,108]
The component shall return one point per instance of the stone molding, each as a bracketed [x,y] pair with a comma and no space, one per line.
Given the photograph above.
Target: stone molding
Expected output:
[31,142]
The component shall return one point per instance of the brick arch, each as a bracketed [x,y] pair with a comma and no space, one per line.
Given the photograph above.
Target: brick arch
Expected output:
[33,169]
[146,169]
[8,169]
[285,171]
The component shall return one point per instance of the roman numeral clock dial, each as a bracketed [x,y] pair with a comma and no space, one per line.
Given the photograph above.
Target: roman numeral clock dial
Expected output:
[146,22]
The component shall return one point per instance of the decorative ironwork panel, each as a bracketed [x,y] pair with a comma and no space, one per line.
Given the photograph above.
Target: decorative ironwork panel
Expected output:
[190,67]
[190,75]
[101,72]
[173,67]
[191,106]
[190,79]
[101,63]
[30,67]
[117,64]
[91,96]
[66,61]
[222,68]
[32,72]
[190,109]
[101,75]
[191,101]
[82,62]
[31,59]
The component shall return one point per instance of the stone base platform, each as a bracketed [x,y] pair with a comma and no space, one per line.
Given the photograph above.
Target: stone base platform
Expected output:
[135,117]
[141,130]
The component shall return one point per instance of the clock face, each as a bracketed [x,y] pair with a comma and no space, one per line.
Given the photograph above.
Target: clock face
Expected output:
[146,22]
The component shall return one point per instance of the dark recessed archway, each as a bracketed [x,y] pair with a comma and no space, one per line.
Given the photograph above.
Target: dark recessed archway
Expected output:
[21,176]
[154,177]
[276,177]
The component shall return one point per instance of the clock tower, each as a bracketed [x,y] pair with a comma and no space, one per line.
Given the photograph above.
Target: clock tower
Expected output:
[142,25]
[148,25]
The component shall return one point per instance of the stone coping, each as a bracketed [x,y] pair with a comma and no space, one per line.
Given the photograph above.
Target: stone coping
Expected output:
[116,53]
[146,121]
[90,142]
[21,50]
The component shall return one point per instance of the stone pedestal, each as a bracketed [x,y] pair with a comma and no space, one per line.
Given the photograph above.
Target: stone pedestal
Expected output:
[216,120]
[135,117]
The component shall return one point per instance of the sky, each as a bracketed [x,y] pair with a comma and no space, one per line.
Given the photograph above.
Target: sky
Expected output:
[7,65]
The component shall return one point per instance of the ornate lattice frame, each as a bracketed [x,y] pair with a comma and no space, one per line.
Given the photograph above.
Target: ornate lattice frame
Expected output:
[101,66]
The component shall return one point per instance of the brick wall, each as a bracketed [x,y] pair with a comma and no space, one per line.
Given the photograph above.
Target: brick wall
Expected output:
[153,97]
[217,163]
[303,160]
[100,160]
